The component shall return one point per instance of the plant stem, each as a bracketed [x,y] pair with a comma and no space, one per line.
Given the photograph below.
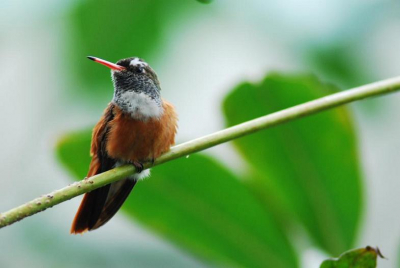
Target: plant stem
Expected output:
[286,115]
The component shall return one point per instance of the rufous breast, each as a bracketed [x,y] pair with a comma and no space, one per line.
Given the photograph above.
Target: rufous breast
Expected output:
[136,140]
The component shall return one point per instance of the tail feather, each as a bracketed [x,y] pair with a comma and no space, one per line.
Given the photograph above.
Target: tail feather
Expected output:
[119,191]
[100,205]
[81,220]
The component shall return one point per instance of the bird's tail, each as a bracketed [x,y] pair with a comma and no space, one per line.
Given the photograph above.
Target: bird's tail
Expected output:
[100,205]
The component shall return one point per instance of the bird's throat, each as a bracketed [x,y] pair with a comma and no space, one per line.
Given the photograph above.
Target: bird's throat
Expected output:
[139,105]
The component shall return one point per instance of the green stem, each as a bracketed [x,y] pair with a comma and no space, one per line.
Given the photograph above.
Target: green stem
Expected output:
[298,111]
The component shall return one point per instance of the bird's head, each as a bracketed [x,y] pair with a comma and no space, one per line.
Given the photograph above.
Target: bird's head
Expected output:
[136,87]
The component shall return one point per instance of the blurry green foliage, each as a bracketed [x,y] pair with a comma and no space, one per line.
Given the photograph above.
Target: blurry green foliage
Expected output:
[356,258]
[199,205]
[54,249]
[340,63]
[205,1]
[73,152]
[118,29]
[344,65]
[307,169]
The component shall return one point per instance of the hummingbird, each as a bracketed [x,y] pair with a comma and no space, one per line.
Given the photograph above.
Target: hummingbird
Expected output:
[136,127]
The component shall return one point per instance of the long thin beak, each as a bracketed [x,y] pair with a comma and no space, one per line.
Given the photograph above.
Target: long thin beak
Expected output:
[110,65]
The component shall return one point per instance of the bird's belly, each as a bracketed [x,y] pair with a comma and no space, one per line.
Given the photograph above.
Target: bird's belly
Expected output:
[134,140]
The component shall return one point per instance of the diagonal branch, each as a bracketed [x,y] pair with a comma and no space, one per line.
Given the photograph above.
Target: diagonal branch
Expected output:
[286,115]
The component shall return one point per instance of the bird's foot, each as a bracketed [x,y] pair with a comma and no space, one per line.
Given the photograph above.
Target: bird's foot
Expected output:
[139,166]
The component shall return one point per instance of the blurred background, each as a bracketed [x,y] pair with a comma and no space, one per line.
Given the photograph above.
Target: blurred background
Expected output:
[201,53]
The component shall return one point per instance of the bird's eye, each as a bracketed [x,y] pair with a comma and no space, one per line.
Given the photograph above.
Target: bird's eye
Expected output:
[140,70]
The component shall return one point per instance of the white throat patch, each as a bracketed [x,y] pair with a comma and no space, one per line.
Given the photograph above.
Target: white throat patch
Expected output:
[140,105]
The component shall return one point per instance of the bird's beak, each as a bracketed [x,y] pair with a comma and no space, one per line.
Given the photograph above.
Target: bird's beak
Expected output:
[110,65]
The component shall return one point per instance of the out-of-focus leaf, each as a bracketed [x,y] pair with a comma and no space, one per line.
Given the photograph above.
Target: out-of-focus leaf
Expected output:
[356,258]
[339,63]
[118,29]
[199,205]
[344,64]
[308,168]
[205,1]
[73,152]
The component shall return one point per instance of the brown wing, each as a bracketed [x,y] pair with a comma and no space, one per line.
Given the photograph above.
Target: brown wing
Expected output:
[98,206]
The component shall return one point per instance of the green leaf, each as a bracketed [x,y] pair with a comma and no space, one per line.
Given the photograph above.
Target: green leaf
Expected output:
[72,151]
[343,63]
[340,63]
[117,29]
[307,169]
[356,258]
[205,1]
[200,206]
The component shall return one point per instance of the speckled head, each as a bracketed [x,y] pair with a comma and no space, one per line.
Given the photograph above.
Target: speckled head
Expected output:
[136,87]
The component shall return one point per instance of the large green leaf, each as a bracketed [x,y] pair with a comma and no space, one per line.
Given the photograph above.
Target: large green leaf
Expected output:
[117,29]
[73,152]
[199,205]
[340,63]
[307,168]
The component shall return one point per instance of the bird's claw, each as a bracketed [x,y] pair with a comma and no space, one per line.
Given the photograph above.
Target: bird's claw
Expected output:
[138,166]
